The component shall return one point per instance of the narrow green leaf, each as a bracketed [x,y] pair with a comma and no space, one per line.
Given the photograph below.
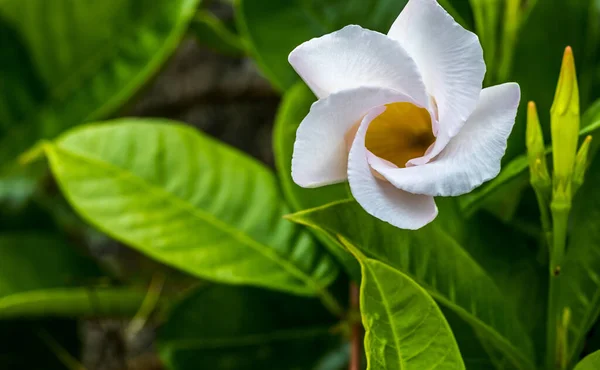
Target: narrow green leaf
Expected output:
[591,362]
[234,328]
[78,60]
[405,328]
[72,302]
[188,201]
[436,261]
[40,275]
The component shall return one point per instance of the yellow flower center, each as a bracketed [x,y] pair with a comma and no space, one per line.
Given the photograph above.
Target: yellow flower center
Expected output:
[401,133]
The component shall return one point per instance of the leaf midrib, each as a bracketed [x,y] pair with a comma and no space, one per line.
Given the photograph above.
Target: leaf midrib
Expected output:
[236,234]
[386,306]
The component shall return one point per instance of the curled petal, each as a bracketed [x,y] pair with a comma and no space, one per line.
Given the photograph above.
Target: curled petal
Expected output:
[472,157]
[354,57]
[449,58]
[378,197]
[320,150]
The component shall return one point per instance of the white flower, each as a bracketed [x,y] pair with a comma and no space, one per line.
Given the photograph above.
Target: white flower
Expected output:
[402,117]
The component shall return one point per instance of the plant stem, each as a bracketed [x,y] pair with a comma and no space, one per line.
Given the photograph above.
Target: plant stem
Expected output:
[555,351]
[355,344]
[331,303]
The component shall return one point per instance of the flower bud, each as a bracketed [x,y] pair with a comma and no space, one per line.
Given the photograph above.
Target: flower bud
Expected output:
[540,178]
[581,162]
[564,124]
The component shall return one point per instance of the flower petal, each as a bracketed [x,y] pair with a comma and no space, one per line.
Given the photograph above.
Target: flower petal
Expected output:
[378,197]
[354,57]
[472,157]
[449,58]
[320,151]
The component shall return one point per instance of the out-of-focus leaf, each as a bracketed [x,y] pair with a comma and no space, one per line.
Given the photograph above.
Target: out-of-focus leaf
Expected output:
[580,279]
[40,275]
[72,302]
[516,171]
[404,327]
[591,362]
[293,108]
[235,328]
[69,61]
[554,24]
[437,262]
[274,28]
[212,32]
[37,344]
[188,201]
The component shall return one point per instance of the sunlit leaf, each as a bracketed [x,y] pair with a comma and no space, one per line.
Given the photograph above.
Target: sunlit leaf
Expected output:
[233,328]
[404,327]
[436,261]
[591,362]
[188,201]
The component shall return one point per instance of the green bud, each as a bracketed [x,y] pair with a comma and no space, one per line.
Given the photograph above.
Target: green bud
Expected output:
[581,162]
[540,178]
[564,124]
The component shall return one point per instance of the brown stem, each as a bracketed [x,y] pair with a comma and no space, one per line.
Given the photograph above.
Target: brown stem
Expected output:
[356,335]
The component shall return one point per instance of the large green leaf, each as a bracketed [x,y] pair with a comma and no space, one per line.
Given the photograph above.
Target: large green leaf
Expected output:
[297,21]
[579,279]
[435,260]
[188,201]
[591,362]
[40,275]
[64,62]
[294,107]
[234,328]
[404,327]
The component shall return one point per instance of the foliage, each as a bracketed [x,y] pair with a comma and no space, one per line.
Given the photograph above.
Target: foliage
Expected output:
[270,261]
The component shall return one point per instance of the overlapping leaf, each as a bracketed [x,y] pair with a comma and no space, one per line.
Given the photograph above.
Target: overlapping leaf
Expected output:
[405,328]
[436,261]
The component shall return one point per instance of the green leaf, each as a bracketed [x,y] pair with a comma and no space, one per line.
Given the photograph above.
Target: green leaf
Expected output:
[73,61]
[591,362]
[294,107]
[579,279]
[40,275]
[233,328]
[516,171]
[436,261]
[188,201]
[214,33]
[297,21]
[404,327]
